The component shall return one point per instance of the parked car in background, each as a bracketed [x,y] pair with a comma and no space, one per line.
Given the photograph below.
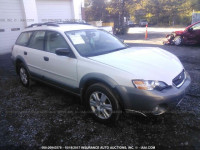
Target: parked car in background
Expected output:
[130,23]
[108,29]
[107,75]
[190,36]
[143,23]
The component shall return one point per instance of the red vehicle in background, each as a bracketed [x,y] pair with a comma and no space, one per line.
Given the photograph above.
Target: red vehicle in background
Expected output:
[190,36]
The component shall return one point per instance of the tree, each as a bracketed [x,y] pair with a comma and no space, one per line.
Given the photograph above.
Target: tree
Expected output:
[163,12]
[167,12]
[95,10]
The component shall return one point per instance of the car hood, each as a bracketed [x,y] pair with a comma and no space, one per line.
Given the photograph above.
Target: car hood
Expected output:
[144,63]
[179,32]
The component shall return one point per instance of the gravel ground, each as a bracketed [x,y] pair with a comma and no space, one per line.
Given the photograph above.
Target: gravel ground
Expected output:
[44,116]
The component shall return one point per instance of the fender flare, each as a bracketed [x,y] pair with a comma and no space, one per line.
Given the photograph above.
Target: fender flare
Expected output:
[90,78]
[20,58]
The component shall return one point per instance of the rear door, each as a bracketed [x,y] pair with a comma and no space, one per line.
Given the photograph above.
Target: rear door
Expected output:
[59,69]
[34,54]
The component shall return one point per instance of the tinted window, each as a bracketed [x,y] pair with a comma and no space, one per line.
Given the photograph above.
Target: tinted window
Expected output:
[37,41]
[24,38]
[55,40]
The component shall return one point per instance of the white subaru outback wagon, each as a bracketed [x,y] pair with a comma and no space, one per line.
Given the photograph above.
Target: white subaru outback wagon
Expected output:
[109,76]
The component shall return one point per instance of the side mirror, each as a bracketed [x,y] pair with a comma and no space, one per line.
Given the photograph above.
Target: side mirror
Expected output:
[190,29]
[62,51]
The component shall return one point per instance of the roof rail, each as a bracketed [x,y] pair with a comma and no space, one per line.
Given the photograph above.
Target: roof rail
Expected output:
[73,22]
[56,24]
[41,24]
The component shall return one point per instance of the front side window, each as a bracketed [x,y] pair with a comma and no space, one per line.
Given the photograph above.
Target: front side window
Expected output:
[94,42]
[24,38]
[55,40]
[37,41]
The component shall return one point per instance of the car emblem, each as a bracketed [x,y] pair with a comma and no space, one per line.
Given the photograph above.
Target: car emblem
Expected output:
[180,77]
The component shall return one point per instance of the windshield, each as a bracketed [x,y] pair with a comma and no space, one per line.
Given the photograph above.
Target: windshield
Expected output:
[94,42]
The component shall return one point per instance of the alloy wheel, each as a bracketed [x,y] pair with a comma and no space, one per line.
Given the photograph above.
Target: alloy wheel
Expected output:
[101,105]
[177,40]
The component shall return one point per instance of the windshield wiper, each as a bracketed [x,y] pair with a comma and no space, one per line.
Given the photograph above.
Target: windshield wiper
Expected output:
[117,49]
[106,52]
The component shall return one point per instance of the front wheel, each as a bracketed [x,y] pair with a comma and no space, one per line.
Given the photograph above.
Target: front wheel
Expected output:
[178,40]
[102,103]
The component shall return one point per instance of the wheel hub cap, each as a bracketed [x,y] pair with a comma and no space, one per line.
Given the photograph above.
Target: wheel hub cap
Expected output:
[178,41]
[100,105]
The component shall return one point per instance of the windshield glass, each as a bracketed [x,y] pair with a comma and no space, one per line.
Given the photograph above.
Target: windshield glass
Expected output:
[94,42]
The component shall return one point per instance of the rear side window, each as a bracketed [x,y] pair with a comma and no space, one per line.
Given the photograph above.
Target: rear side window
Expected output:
[24,38]
[37,41]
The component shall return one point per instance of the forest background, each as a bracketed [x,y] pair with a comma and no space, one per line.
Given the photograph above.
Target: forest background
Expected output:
[156,12]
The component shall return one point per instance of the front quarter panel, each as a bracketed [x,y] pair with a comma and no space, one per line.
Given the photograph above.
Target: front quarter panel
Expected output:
[88,68]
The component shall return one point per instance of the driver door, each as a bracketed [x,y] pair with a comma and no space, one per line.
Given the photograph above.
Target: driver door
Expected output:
[193,34]
[60,70]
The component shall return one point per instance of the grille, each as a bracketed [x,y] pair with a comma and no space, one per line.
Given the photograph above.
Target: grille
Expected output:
[179,80]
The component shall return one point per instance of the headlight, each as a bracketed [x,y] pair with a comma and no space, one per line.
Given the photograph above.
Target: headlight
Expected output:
[149,85]
[174,34]
[169,37]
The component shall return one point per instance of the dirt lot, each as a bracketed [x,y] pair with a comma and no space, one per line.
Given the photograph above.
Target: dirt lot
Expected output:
[44,116]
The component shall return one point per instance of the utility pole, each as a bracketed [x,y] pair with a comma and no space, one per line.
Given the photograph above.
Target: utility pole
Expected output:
[122,15]
[121,12]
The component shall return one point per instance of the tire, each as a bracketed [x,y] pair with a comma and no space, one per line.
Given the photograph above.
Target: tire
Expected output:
[23,75]
[102,104]
[178,40]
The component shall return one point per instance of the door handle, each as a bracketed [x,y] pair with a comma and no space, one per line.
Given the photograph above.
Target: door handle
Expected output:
[46,58]
[25,53]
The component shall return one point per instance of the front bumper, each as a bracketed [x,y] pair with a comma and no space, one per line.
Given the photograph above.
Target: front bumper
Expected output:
[154,102]
[170,39]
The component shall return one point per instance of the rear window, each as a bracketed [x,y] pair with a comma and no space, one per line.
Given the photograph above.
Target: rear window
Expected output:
[24,38]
